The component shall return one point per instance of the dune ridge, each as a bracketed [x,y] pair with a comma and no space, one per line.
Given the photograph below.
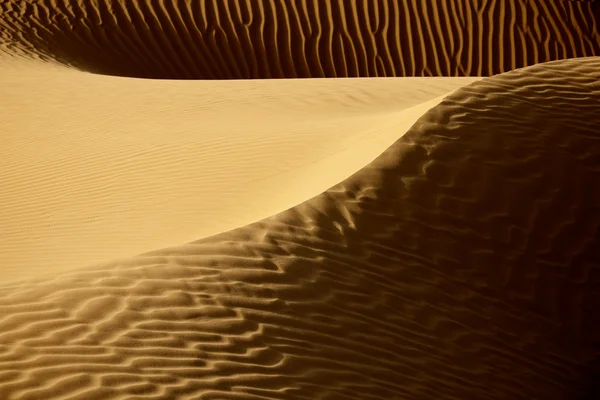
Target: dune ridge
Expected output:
[226,39]
[462,263]
[99,167]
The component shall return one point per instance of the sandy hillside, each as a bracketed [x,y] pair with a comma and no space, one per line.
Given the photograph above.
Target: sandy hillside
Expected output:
[98,167]
[219,39]
[403,238]
[462,263]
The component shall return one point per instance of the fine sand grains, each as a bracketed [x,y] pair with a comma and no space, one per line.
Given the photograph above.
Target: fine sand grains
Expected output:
[463,263]
[97,167]
[225,39]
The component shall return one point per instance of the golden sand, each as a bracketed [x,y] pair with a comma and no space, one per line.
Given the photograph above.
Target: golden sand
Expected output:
[394,238]
[227,39]
[112,167]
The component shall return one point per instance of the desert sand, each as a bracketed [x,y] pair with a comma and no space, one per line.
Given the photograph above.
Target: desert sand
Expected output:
[229,39]
[429,235]
[112,167]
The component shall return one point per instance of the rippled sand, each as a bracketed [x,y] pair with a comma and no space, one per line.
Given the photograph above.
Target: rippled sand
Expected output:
[397,238]
[228,39]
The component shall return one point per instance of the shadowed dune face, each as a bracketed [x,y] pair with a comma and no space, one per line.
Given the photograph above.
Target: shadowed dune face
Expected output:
[229,39]
[463,263]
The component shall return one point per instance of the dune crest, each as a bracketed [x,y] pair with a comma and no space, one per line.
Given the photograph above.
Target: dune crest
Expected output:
[462,263]
[225,39]
[100,167]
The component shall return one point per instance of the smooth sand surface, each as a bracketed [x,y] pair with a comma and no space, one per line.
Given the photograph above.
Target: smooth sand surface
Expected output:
[98,167]
[462,263]
[225,39]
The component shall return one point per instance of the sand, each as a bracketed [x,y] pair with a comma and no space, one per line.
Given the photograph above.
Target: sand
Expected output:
[391,238]
[113,167]
[461,263]
[228,39]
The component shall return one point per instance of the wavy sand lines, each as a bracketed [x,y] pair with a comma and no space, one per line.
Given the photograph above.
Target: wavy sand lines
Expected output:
[463,263]
[218,39]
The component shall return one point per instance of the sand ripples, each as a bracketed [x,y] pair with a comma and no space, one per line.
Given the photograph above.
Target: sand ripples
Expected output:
[463,263]
[215,39]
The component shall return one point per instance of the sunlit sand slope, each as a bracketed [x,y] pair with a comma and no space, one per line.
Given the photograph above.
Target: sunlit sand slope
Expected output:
[463,263]
[216,39]
[95,167]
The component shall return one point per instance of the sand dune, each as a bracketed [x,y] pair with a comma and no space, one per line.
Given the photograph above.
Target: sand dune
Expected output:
[218,39]
[99,167]
[462,263]
[405,238]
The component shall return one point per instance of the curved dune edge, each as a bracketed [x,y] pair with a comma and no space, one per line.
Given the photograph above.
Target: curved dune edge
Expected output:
[217,39]
[462,263]
[100,167]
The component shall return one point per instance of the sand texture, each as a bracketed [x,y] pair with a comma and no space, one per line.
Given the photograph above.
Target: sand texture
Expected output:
[218,39]
[99,167]
[461,263]
[430,234]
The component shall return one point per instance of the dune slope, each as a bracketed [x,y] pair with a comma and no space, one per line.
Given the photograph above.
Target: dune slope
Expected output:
[227,39]
[462,263]
[96,167]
